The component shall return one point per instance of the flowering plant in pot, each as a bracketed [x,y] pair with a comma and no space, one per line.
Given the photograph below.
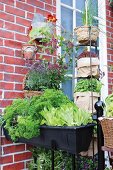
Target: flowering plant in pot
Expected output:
[88,32]
[43,75]
[40,27]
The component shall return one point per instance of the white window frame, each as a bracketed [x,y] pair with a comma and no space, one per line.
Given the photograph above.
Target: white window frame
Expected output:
[102,37]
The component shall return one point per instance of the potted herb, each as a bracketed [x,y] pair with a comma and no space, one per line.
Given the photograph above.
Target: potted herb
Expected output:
[86,61]
[88,32]
[87,90]
[44,75]
[50,117]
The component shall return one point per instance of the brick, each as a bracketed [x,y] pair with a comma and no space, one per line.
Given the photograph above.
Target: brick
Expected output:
[22,21]
[7,159]
[30,16]
[11,2]
[48,2]
[15,166]
[0,93]
[20,37]
[1,76]
[18,53]
[50,8]
[36,3]
[25,6]
[6,85]
[6,51]
[14,27]
[1,59]
[15,61]
[14,148]
[4,141]
[6,34]
[21,70]
[4,103]
[15,11]
[6,16]
[1,23]
[13,78]
[19,87]
[12,44]
[1,42]
[1,7]
[6,68]
[22,156]
[13,95]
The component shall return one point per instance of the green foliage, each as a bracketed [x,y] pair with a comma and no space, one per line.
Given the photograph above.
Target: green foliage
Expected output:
[62,161]
[24,117]
[90,11]
[84,85]
[67,115]
[19,122]
[109,105]
[40,32]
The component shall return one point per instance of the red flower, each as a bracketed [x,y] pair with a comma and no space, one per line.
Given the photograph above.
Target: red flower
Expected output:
[29,29]
[51,18]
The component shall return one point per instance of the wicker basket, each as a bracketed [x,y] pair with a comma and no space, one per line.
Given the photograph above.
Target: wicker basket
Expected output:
[30,93]
[107,128]
[83,34]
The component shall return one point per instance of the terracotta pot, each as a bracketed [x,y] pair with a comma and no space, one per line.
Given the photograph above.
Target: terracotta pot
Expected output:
[29,51]
[83,36]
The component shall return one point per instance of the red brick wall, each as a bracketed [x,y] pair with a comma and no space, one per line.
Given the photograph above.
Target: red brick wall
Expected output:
[15,18]
[109,24]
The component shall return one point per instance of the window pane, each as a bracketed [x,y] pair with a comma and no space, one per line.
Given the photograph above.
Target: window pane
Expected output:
[79,19]
[80,4]
[67,2]
[67,19]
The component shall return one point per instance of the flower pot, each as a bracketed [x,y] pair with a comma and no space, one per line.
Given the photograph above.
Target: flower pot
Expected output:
[29,51]
[69,139]
[107,128]
[83,67]
[31,93]
[84,100]
[83,36]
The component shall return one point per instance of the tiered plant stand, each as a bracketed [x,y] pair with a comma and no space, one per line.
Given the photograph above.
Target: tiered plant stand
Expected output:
[99,111]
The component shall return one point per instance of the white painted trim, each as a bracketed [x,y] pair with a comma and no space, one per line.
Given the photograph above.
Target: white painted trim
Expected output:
[103,47]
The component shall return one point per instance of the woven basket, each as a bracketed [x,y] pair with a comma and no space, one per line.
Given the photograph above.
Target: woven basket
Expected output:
[30,93]
[83,34]
[107,128]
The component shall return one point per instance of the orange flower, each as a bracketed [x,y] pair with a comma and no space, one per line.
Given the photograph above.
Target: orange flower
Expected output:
[51,18]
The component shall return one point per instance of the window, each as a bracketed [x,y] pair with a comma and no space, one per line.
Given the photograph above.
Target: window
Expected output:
[69,13]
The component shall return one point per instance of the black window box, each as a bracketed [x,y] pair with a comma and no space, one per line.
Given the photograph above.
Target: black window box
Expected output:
[70,139]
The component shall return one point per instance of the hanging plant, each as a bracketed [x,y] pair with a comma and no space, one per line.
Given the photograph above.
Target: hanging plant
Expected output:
[88,32]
